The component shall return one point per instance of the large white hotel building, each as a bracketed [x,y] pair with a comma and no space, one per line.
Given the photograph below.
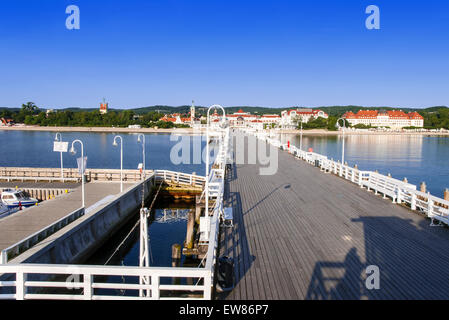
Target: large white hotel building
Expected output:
[394,119]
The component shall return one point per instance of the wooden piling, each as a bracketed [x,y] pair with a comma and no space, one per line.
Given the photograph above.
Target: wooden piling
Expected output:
[190,230]
[175,255]
[446,194]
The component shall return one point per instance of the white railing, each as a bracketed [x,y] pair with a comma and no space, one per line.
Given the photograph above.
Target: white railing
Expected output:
[179,177]
[31,281]
[81,282]
[400,192]
[30,241]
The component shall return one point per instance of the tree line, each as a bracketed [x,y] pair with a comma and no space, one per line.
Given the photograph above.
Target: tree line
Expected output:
[29,114]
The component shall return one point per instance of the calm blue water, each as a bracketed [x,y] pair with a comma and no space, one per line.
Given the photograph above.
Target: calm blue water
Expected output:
[35,149]
[416,157]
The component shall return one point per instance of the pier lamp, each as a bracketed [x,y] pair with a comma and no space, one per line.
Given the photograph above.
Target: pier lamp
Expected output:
[62,167]
[73,152]
[121,158]
[215,106]
[141,138]
[337,125]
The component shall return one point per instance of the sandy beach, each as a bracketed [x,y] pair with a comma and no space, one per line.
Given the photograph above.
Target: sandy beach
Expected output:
[192,131]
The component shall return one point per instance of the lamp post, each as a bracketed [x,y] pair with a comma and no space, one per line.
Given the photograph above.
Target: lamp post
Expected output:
[62,167]
[121,159]
[73,152]
[300,139]
[343,145]
[143,151]
[208,152]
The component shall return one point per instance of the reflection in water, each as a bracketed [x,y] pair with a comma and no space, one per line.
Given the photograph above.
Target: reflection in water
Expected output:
[416,157]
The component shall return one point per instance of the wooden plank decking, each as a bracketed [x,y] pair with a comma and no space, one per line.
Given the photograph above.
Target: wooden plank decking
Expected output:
[304,234]
[22,224]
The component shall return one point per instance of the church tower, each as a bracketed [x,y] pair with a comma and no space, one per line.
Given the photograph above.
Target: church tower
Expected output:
[192,113]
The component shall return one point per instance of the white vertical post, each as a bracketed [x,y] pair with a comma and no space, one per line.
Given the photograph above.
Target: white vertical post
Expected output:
[87,281]
[72,150]
[121,159]
[413,201]
[144,251]
[208,287]
[155,293]
[62,166]
[3,257]
[429,206]
[20,285]
[62,169]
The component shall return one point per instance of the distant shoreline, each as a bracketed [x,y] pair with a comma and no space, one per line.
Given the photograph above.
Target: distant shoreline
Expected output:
[192,131]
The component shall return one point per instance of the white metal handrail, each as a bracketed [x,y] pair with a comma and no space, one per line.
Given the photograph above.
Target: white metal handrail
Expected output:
[82,277]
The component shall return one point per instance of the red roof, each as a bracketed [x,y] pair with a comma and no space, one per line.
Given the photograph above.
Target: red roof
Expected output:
[372,114]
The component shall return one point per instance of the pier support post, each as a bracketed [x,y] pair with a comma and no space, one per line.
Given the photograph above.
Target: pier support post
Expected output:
[175,255]
[190,227]
[446,194]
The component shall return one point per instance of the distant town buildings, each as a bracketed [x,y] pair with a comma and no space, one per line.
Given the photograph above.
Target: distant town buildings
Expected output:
[290,119]
[394,119]
[242,119]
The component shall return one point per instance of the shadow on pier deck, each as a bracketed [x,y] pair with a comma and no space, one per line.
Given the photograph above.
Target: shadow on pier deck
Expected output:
[303,234]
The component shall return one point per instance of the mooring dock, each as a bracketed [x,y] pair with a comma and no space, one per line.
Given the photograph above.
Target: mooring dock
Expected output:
[23,224]
[305,234]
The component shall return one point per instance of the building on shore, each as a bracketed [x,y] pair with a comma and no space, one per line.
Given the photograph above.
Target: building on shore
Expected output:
[291,118]
[241,119]
[176,118]
[395,119]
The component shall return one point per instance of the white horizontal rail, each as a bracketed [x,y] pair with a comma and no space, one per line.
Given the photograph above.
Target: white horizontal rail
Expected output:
[87,283]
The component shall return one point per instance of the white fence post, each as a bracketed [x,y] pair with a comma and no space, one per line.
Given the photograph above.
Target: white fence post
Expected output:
[413,202]
[20,285]
[3,257]
[399,196]
[155,293]
[429,207]
[87,281]
[208,287]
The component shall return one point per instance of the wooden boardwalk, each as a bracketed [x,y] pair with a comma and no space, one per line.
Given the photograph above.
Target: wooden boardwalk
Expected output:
[22,224]
[304,234]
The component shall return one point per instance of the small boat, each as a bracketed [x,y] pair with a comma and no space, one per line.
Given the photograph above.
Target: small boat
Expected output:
[5,211]
[17,199]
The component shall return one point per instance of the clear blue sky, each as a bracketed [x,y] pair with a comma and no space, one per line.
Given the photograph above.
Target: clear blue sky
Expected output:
[278,53]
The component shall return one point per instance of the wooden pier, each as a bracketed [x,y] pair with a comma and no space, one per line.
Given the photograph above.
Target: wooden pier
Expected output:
[305,234]
[22,224]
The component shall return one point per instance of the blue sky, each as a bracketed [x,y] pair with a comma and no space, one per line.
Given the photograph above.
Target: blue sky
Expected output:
[278,53]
